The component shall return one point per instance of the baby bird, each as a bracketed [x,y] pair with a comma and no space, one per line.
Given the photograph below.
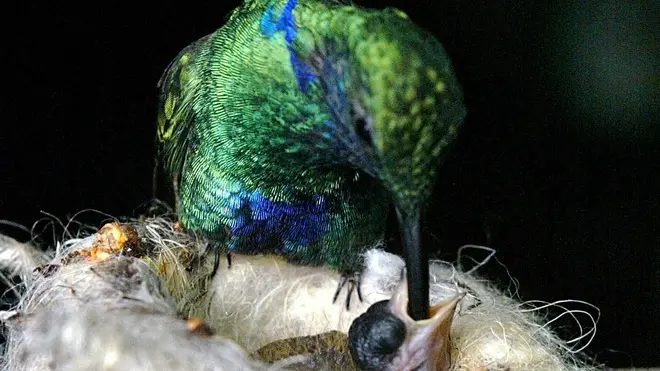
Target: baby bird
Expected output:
[386,338]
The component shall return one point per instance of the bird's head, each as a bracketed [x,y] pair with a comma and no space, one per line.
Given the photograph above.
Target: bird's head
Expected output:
[408,105]
[395,101]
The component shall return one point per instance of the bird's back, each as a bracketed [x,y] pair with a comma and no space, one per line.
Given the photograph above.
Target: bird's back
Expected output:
[239,128]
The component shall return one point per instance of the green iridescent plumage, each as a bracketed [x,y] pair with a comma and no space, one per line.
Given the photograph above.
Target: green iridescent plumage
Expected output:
[297,123]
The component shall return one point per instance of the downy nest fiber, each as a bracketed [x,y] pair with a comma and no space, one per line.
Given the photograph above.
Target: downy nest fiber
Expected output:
[137,296]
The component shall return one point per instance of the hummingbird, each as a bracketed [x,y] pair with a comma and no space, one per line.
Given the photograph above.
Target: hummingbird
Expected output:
[293,128]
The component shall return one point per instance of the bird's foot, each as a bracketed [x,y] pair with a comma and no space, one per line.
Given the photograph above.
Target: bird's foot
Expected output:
[216,257]
[216,251]
[353,282]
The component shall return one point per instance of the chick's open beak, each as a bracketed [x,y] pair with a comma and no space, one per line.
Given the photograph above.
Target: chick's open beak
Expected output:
[427,343]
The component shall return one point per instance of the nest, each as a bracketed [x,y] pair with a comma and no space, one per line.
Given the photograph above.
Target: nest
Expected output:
[138,295]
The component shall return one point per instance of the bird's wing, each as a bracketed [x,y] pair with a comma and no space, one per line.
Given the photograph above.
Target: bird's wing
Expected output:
[179,86]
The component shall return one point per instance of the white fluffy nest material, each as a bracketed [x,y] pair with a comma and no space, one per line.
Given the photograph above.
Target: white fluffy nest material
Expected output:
[132,297]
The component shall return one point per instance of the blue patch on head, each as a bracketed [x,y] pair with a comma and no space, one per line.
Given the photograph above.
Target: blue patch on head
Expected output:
[286,23]
[268,23]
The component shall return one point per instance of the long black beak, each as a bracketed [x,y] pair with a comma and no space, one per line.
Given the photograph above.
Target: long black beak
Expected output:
[417,266]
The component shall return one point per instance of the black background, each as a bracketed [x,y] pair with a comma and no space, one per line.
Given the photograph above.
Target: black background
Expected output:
[556,167]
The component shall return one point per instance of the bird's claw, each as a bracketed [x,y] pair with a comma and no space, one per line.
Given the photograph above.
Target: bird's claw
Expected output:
[210,248]
[216,258]
[354,282]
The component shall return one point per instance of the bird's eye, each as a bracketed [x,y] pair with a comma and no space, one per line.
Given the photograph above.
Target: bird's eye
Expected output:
[361,122]
[362,129]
